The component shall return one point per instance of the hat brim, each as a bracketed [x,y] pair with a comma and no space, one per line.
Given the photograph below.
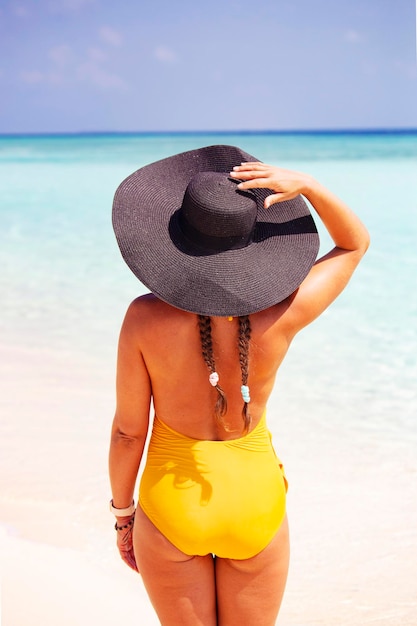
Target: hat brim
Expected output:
[232,282]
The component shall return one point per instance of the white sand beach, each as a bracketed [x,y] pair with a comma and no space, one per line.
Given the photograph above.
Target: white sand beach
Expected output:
[352,509]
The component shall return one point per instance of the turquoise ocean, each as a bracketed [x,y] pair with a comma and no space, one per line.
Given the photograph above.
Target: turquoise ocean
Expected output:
[64,286]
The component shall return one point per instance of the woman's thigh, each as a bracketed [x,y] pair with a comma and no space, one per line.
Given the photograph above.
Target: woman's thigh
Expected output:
[180,587]
[249,592]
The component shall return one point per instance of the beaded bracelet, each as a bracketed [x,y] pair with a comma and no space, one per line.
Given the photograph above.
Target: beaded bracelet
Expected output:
[130,522]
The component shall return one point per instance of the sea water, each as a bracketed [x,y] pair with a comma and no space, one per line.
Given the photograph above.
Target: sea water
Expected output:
[64,286]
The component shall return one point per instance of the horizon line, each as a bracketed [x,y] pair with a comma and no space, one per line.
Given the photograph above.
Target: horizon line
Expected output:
[324,131]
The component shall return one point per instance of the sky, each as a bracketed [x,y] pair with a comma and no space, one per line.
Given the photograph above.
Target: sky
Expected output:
[187,65]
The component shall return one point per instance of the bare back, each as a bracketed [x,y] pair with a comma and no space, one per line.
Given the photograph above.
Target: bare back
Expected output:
[169,342]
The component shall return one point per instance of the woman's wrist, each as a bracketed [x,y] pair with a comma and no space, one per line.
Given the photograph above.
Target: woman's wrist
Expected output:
[310,187]
[122,511]
[123,519]
[124,523]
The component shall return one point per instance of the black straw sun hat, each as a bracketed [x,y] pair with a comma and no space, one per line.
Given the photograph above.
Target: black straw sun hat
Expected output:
[202,245]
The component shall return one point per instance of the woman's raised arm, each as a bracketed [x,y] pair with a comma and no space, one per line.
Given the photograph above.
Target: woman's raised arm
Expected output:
[331,273]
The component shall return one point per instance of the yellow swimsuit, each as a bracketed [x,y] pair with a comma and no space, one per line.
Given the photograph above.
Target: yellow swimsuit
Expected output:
[221,497]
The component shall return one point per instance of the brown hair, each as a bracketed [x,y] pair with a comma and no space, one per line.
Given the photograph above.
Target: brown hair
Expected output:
[244,335]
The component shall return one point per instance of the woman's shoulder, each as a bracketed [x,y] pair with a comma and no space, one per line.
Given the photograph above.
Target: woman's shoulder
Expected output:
[149,303]
[150,310]
[153,325]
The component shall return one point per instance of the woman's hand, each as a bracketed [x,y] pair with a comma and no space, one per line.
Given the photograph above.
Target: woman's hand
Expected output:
[125,540]
[286,183]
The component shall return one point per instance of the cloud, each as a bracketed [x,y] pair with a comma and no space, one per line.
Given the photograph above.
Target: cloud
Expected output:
[35,77]
[32,77]
[165,55]
[409,70]
[94,71]
[21,11]
[61,55]
[90,72]
[110,36]
[99,76]
[68,68]
[64,6]
[96,54]
[352,36]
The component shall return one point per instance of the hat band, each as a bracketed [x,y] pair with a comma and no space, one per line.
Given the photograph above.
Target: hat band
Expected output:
[211,243]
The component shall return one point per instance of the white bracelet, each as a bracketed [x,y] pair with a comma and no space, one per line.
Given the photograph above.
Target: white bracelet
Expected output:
[122,512]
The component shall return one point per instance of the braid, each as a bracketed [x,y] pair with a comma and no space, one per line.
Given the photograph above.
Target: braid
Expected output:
[243,343]
[204,323]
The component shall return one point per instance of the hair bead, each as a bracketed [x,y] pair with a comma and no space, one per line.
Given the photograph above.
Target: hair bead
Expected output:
[214,378]
[245,393]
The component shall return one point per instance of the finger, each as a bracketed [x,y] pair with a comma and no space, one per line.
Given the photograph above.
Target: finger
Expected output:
[251,165]
[132,564]
[242,175]
[274,198]
[129,558]
[248,172]
[245,175]
[131,561]
[125,545]
[254,183]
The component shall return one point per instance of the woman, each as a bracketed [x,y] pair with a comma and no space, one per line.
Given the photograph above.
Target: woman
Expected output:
[227,247]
